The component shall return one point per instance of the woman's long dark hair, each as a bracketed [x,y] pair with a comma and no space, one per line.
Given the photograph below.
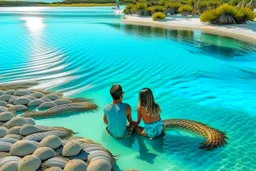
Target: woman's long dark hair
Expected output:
[146,100]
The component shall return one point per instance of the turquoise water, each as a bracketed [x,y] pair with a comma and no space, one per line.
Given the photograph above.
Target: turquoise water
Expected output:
[47,1]
[83,51]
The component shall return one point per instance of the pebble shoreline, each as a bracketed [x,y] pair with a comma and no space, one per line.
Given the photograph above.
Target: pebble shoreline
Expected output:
[25,146]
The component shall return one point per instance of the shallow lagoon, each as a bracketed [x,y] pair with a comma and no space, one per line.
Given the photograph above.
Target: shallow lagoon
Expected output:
[82,51]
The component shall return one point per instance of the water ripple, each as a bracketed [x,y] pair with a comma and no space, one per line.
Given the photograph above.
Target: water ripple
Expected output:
[194,75]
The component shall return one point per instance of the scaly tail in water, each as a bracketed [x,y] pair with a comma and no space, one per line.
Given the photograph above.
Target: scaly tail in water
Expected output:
[18,85]
[214,138]
[61,109]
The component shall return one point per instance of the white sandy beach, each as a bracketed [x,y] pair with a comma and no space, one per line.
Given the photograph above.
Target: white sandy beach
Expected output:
[245,32]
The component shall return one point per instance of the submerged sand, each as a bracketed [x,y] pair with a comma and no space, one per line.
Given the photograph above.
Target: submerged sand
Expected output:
[244,32]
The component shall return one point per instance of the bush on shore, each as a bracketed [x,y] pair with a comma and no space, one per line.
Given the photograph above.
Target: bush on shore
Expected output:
[211,11]
[172,7]
[185,10]
[227,14]
[158,16]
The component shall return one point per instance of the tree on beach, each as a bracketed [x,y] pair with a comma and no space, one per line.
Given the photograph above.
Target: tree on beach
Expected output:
[211,11]
[228,14]
[251,4]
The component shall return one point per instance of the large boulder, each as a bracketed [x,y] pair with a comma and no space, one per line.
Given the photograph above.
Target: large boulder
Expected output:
[55,162]
[13,136]
[30,121]
[52,96]
[45,99]
[9,140]
[3,109]
[30,97]
[51,141]
[14,130]
[44,153]
[10,166]
[29,129]
[29,163]
[21,101]
[75,165]
[16,121]
[21,93]
[3,131]
[9,159]
[12,99]
[5,97]
[36,102]
[54,169]
[1,92]
[18,108]
[83,155]
[11,92]
[71,149]
[3,103]
[37,94]
[6,116]
[5,146]
[99,165]
[46,105]
[23,148]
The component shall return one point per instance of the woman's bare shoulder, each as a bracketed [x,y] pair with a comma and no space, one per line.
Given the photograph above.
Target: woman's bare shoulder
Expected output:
[138,107]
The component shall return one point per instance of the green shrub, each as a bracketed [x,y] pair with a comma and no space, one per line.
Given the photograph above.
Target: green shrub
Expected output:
[129,6]
[185,9]
[248,15]
[188,2]
[141,5]
[158,9]
[139,8]
[203,5]
[214,3]
[228,14]
[162,2]
[236,2]
[150,10]
[208,16]
[158,16]
[175,5]
[128,9]
[172,7]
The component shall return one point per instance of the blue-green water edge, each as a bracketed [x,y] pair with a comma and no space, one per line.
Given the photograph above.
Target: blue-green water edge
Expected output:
[83,51]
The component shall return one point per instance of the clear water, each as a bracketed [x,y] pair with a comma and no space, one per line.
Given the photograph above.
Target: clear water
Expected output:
[83,51]
[47,1]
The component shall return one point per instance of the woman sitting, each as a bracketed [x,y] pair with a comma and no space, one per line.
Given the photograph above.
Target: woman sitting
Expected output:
[150,112]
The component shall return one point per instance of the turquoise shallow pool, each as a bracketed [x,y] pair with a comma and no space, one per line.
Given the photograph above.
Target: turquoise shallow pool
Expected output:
[83,51]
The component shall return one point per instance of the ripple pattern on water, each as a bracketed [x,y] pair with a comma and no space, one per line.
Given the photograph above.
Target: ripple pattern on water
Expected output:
[198,76]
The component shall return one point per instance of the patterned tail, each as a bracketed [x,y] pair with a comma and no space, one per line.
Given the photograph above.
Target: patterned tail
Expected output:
[214,138]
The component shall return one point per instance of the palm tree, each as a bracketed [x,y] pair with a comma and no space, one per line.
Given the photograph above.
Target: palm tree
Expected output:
[251,4]
[240,4]
[195,7]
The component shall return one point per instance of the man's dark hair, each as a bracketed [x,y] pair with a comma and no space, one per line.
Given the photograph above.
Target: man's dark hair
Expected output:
[116,91]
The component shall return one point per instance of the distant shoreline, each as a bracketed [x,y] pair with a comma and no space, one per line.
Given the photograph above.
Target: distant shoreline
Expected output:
[59,5]
[53,4]
[243,32]
[77,5]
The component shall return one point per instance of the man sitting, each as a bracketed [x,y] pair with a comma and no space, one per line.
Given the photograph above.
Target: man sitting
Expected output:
[116,114]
